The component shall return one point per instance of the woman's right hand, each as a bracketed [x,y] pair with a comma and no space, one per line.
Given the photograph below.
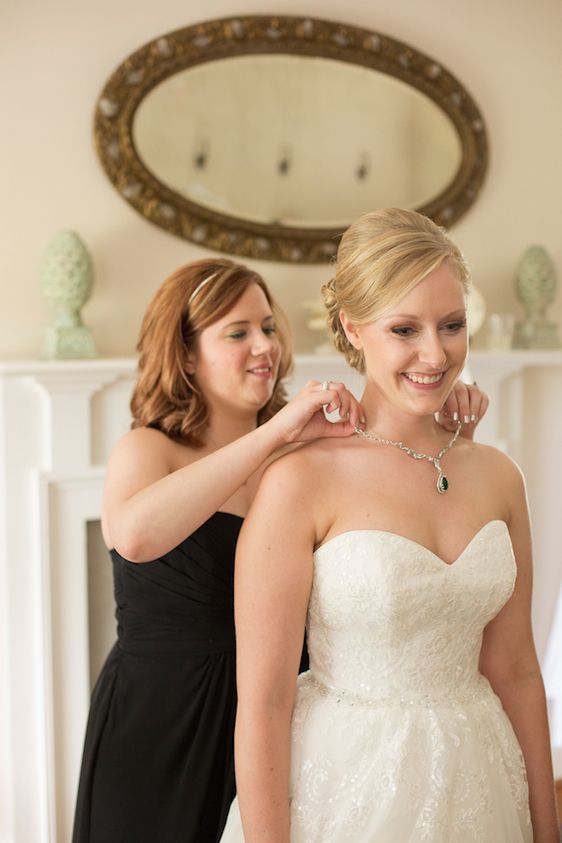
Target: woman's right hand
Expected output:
[304,417]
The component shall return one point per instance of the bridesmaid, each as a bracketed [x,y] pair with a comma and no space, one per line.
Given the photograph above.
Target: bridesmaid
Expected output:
[209,412]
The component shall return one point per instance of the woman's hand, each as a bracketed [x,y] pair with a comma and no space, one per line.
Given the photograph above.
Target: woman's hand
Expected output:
[304,417]
[466,403]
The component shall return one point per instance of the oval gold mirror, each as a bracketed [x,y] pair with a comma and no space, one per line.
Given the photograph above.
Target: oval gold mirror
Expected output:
[266,136]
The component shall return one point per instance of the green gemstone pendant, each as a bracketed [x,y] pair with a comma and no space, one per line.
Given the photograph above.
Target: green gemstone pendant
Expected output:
[442,483]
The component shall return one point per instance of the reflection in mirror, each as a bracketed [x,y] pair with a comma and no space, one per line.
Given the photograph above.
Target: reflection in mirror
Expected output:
[266,136]
[232,136]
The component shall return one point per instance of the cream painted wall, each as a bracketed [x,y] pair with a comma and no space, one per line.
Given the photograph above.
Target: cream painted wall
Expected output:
[57,55]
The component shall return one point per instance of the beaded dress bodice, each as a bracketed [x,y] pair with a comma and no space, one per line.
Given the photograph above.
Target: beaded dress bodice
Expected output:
[389,620]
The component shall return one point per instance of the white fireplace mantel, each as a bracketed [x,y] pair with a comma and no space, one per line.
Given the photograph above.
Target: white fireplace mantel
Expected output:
[58,423]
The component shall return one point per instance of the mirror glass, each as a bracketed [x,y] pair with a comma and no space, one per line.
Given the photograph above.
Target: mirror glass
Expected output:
[295,141]
[266,136]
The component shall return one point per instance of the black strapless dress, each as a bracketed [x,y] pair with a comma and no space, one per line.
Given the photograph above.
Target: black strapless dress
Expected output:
[158,764]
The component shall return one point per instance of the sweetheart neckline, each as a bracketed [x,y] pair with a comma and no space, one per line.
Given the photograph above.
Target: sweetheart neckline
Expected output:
[418,544]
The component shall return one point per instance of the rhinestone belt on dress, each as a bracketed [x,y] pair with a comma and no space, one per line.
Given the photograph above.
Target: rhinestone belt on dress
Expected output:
[453,697]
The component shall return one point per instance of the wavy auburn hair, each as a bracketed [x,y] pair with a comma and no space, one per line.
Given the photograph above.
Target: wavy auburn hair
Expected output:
[166,396]
[381,257]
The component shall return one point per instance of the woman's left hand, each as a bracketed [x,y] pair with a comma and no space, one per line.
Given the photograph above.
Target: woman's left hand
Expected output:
[466,403]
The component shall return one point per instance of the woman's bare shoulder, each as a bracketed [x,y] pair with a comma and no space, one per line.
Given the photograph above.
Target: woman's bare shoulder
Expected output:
[308,462]
[140,439]
[148,446]
[494,458]
[501,474]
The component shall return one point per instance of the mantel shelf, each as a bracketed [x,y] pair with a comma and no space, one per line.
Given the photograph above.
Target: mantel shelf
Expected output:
[513,360]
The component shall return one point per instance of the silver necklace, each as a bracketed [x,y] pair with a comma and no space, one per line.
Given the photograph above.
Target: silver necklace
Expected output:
[442,483]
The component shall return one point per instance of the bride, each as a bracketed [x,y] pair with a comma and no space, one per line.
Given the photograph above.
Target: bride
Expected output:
[406,551]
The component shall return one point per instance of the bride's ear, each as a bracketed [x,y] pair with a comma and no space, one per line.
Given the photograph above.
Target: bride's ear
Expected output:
[351,331]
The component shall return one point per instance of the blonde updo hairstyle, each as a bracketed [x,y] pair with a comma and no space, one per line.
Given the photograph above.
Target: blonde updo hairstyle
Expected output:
[167,395]
[382,256]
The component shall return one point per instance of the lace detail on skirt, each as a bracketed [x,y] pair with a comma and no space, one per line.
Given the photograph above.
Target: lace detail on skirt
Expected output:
[408,772]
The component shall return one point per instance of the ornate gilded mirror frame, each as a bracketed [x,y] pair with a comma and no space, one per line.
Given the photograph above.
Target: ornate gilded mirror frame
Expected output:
[227,37]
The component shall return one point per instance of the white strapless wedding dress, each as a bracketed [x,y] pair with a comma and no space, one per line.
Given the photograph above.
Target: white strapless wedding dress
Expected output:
[396,736]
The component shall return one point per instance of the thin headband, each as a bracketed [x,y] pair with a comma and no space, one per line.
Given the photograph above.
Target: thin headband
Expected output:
[200,286]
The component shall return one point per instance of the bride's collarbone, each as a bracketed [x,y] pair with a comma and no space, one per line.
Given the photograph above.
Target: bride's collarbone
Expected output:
[405,501]
[389,471]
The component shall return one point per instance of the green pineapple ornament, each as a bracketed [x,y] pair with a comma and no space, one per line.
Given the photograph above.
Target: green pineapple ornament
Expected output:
[67,277]
[536,287]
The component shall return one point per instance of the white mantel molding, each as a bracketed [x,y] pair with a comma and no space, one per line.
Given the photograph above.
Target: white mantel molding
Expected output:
[58,423]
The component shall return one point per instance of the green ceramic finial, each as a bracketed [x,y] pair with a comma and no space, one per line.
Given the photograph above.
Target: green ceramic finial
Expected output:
[67,277]
[536,287]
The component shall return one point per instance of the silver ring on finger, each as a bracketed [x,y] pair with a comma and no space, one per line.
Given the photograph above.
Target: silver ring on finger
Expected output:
[325,384]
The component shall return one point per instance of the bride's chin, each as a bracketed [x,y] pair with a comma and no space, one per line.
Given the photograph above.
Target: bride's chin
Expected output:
[425,407]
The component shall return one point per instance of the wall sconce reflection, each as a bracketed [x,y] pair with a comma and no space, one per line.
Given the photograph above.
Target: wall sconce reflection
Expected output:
[201,157]
[364,167]
[285,160]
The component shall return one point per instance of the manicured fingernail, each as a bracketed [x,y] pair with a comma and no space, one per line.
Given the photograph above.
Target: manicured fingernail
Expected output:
[466,419]
[363,420]
[473,418]
[455,416]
